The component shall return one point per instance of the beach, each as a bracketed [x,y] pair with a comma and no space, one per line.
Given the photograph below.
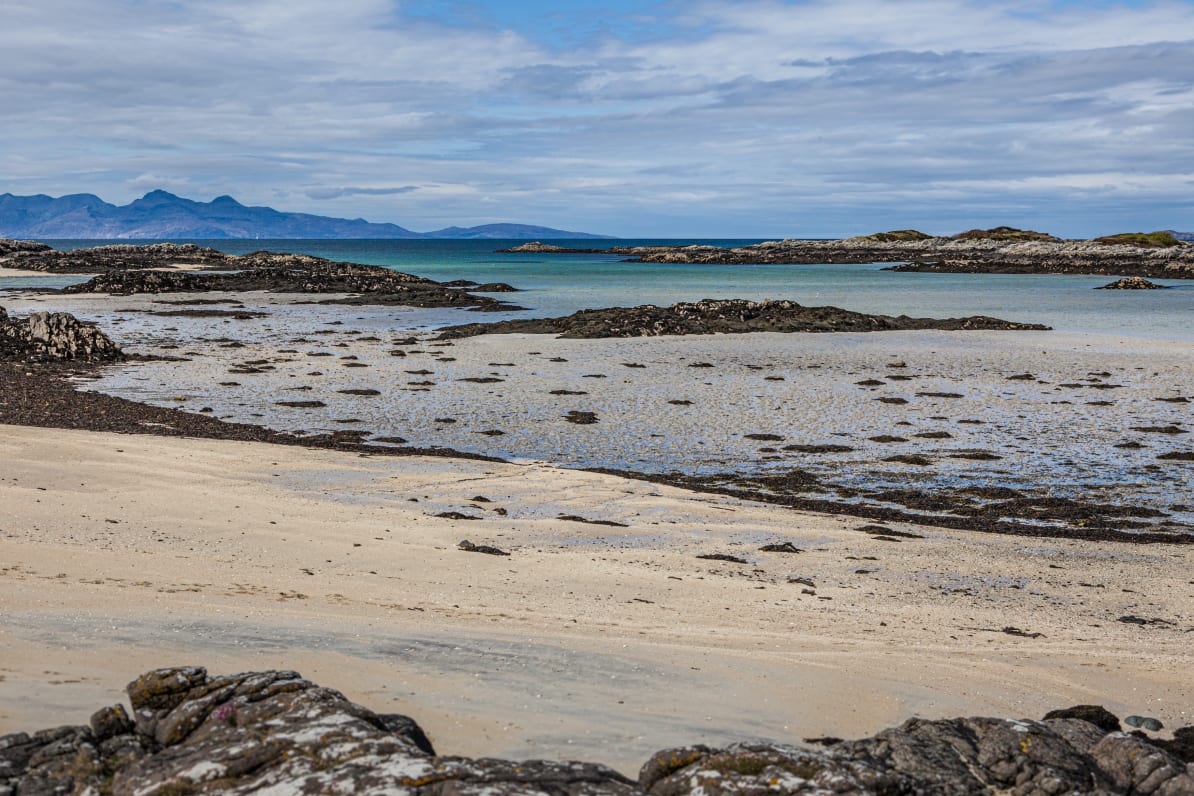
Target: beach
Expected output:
[587,642]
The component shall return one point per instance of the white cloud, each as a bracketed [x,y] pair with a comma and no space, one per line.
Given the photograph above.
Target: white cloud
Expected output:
[736,116]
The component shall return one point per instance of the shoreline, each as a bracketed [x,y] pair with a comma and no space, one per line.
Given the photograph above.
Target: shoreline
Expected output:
[715,424]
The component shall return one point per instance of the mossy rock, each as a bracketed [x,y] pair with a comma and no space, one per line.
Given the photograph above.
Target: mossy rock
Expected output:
[1005,234]
[895,236]
[1141,240]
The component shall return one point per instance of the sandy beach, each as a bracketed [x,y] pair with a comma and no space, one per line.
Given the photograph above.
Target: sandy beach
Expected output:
[122,553]
[603,635]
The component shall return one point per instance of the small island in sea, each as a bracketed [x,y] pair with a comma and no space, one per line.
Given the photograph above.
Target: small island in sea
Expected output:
[679,529]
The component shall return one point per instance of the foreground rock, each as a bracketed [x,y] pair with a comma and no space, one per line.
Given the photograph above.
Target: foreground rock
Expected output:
[998,250]
[721,317]
[196,734]
[54,337]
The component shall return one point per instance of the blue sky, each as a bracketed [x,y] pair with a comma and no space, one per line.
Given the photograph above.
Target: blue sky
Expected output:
[752,118]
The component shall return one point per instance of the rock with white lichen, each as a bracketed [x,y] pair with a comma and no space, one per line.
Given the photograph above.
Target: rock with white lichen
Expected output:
[273,731]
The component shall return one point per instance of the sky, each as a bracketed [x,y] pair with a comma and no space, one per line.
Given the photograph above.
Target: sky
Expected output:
[717,118]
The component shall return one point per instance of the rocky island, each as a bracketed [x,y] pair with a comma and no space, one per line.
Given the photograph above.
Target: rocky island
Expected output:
[997,250]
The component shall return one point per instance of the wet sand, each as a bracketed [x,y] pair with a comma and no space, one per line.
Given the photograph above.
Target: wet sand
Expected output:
[980,420]
[603,642]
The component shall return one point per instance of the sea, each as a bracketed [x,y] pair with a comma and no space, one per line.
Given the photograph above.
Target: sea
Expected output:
[556,284]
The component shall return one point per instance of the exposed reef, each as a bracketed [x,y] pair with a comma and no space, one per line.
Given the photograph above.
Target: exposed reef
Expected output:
[721,317]
[997,250]
[274,731]
[33,256]
[170,268]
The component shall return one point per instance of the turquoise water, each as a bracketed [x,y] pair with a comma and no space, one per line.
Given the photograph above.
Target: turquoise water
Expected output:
[561,284]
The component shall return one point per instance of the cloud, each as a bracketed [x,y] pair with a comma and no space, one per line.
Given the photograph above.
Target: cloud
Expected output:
[336,193]
[752,117]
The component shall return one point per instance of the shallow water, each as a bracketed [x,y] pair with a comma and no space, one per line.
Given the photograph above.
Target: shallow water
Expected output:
[561,284]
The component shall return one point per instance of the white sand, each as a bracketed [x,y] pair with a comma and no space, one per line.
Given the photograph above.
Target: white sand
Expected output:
[122,553]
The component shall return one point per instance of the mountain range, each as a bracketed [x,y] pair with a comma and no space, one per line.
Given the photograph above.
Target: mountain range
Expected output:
[161,215]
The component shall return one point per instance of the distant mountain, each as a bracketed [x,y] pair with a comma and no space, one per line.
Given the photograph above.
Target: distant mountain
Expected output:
[162,215]
[1181,235]
[507,232]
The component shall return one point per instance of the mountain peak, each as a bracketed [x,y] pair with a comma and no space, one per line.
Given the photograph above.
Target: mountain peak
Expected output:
[162,215]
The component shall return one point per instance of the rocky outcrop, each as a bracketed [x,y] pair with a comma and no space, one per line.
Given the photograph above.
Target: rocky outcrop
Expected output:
[721,317]
[195,734]
[9,246]
[998,250]
[54,337]
[538,247]
[952,757]
[274,731]
[118,257]
[1132,283]
[295,273]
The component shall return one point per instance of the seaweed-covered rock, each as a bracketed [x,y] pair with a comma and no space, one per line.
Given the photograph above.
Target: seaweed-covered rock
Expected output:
[293,273]
[54,337]
[1132,283]
[712,316]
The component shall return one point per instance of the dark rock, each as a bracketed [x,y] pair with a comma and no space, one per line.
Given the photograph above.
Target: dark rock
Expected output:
[1097,715]
[456,515]
[717,317]
[883,530]
[581,418]
[575,518]
[54,337]
[819,448]
[284,273]
[469,547]
[274,731]
[764,437]
[910,458]
[723,557]
[1132,619]
[1132,283]
[1177,456]
[783,547]
[301,404]
[363,392]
